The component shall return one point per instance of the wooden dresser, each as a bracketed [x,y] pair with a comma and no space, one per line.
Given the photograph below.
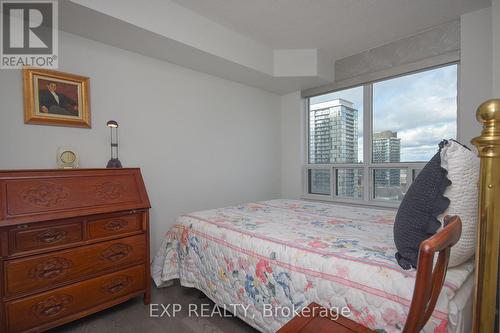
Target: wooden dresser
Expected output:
[72,242]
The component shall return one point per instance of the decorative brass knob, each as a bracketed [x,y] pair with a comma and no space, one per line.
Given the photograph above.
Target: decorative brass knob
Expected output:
[488,114]
[489,111]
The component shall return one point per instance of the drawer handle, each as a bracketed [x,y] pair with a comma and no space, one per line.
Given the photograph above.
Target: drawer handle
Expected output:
[50,269]
[50,236]
[52,305]
[52,310]
[116,225]
[116,252]
[117,284]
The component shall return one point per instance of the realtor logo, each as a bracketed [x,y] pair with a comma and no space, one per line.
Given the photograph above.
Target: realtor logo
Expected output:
[29,33]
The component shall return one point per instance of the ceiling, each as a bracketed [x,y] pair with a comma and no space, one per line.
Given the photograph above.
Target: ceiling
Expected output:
[341,27]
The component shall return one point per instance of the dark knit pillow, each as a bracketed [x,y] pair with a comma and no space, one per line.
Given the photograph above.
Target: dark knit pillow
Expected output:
[416,219]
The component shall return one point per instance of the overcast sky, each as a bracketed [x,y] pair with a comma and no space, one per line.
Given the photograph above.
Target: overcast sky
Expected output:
[421,107]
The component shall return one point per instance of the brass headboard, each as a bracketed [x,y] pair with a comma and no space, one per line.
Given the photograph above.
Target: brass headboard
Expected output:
[488,235]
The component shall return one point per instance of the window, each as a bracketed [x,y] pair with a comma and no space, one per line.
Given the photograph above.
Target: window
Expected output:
[336,127]
[420,109]
[368,143]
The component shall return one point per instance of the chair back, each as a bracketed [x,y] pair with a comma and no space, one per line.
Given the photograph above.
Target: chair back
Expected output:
[430,278]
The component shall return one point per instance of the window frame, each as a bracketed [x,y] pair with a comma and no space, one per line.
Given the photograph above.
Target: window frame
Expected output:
[367,165]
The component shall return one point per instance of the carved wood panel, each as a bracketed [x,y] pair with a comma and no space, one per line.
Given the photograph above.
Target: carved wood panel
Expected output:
[52,305]
[50,236]
[116,284]
[51,268]
[109,190]
[45,194]
[115,225]
[38,196]
[116,252]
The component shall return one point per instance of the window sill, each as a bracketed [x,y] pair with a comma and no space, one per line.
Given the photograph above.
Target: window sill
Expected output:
[356,203]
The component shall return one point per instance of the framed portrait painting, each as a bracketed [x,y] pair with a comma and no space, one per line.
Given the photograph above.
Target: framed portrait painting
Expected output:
[55,98]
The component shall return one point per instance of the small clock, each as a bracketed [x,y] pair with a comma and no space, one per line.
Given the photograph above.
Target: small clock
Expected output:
[67,158]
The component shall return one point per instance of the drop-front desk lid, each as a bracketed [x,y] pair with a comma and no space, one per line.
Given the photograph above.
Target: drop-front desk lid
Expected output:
[40,195]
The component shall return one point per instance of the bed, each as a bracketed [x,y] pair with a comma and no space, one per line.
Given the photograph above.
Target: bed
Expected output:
[279,255]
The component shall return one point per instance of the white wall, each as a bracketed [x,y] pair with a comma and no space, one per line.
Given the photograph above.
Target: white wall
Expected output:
[495,13]
[201,141]
[292,145]
[475,70]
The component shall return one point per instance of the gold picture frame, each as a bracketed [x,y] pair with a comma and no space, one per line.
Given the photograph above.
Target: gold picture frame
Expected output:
[56,98]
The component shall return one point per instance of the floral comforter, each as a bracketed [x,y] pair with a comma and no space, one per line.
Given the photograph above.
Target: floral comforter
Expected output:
[289,253]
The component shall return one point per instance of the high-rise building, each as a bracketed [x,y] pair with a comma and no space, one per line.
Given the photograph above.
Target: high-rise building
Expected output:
[333,138]
[333,132]
[387,148]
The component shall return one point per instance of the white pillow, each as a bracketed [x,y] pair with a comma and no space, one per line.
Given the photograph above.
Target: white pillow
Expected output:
[463,171]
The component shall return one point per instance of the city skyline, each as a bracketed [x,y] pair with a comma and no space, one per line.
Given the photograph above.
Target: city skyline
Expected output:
[421,107]
[333,131]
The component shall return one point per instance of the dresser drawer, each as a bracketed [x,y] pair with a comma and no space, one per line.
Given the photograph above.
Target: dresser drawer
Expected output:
[36,272]
[28,237]
[57,304]
[114,225]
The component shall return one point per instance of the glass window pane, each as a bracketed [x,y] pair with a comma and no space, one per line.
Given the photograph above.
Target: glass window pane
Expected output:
[336,127]
[319,181]
[389,184]
[413,113]
[349,183]
[415,173]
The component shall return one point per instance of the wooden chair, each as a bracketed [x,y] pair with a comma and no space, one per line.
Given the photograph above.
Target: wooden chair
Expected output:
[428,285]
